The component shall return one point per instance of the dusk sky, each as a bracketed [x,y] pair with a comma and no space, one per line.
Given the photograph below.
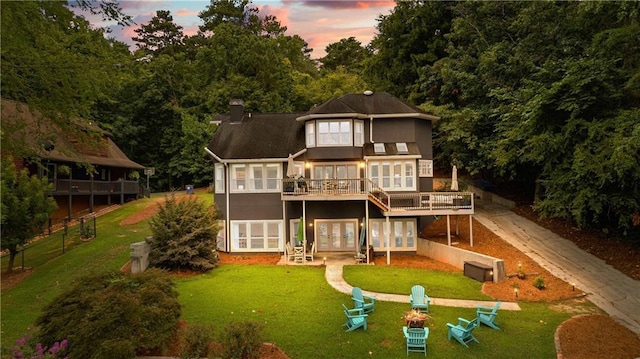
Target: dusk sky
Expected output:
[318,22]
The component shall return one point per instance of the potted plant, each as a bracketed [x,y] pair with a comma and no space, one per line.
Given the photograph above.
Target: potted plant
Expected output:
[415,318]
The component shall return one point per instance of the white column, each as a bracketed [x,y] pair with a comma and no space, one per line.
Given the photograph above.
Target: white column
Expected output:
[388,235]
[365,227]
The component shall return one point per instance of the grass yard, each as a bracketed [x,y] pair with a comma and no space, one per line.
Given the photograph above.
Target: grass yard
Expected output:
[438,284]
[302,314]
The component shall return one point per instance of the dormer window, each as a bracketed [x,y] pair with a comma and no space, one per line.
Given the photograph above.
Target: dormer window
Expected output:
[378,148]
[402,147]
[334,133]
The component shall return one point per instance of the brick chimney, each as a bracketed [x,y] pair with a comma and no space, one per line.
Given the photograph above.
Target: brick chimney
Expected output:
[237,110]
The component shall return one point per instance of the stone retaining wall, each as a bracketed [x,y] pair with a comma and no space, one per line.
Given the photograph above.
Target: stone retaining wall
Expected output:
[457,256]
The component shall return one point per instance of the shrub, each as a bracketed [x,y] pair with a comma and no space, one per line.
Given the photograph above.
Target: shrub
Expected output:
[113,315]
[184,235]
[539,282]
[196,340]
[242,340]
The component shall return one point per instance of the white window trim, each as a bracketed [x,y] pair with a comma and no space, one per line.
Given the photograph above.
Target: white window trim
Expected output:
[382,224]
[249,186]
[379,180]
[425,168]
[358,133]
[339,122]
[356,138]
[219,178]
[222,236]
[235,235]
[310,133]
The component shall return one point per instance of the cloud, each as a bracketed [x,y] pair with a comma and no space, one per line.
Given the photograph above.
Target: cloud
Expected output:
[184,12]
[342,4]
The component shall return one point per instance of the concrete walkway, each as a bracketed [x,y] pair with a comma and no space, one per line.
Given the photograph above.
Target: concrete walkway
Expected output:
[333,274]
[612,291]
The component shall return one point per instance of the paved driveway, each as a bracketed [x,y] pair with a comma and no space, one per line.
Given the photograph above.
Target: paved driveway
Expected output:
[612,291]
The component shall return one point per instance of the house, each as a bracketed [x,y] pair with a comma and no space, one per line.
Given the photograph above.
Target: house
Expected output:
[355,172]
[85,166]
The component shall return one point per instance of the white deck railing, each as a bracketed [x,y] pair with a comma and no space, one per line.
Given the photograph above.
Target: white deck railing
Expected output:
[307,189]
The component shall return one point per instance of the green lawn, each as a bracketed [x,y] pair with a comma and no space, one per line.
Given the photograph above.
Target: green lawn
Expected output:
[301,312]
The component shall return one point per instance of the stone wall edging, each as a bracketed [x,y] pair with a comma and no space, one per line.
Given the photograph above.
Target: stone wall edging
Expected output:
[457,256]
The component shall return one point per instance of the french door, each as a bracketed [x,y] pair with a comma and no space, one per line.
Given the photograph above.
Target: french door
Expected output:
[335,171]
[336,234]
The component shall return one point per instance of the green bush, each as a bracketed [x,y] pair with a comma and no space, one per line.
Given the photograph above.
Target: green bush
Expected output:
[113,315]
[196,340]
[184,235]
[242,340]
[539,282]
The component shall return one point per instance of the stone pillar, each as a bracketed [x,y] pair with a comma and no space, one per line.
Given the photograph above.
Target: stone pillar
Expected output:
[139,256]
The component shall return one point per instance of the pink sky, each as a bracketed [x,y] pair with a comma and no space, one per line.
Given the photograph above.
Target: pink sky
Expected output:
[318,22]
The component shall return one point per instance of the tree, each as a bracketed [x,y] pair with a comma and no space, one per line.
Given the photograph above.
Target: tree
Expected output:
[348,53]
[239,13]
[184,235]
[412,36]
[160,35]
[542,93]
[56,61]
[26,206]
[189,164]
[331,84]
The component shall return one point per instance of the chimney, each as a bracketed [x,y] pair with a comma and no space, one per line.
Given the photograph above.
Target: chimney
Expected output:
[237,110]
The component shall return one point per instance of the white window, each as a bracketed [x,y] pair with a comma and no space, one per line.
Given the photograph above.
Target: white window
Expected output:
[238,178]
[402,235]
[386,175]
[425,168]
[257,236]
[358,135]
[273,177]
[220,240]
[335,133]
[398,175]
[378,148]
[402,147]
[374,172]
[219,177]
[311,134]
[260,177]
[409,174]
[257,177]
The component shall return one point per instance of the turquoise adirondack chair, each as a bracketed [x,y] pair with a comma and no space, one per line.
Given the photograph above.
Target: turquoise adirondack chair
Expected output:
[416,339]
[419,300]
[364,302]
[355,319]
[463,331]
[487,315]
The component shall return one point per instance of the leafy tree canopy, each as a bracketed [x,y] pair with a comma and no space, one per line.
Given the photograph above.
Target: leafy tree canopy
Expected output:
[26,206]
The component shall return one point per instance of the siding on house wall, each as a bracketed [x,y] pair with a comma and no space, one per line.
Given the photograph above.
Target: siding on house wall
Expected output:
[255,206]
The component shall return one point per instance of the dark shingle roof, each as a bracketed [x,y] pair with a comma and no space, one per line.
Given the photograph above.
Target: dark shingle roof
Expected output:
[377,103]
[26,128]
[258,136]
